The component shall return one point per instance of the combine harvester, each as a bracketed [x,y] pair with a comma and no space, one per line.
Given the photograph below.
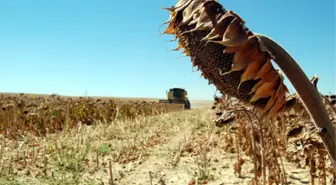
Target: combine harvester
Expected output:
[177,95]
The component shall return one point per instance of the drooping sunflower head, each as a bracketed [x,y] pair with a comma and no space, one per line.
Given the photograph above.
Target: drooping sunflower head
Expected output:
[227,53]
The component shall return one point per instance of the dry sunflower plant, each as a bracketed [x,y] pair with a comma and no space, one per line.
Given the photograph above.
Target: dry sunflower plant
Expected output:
[268,121]
[40,115]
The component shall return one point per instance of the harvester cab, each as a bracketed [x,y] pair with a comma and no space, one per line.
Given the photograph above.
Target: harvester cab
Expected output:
[177,95]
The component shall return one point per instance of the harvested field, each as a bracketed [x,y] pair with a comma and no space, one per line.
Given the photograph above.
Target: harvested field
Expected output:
[175,148]
[72,140]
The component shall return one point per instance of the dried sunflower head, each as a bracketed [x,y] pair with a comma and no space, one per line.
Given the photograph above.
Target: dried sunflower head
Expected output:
[228,54]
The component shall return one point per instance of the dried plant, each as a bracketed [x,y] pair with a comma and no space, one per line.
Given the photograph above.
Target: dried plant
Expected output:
[238,63]
[48,114]
[291,136]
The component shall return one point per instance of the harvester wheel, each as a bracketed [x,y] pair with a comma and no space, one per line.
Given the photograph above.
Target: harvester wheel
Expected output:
[187,105]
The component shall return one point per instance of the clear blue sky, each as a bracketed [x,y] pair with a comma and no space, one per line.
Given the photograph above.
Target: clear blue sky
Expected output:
[112,48]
